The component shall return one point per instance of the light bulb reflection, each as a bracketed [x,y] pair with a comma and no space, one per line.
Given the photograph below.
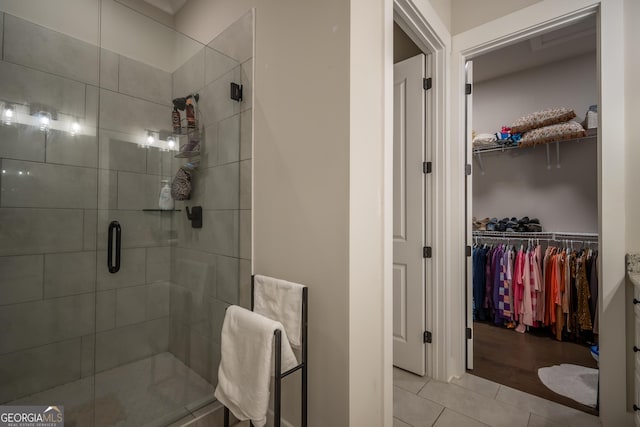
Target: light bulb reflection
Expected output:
[45,120]
[171,143]
[7,114]
[150,139]
[75,128]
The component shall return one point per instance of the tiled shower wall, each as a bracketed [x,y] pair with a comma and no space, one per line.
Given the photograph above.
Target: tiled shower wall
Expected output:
[211,266]
[59,193]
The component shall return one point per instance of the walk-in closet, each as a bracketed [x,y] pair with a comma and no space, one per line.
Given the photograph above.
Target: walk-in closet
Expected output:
[533,203]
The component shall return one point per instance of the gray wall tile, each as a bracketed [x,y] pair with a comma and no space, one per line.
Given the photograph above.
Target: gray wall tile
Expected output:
[22,142]
[28,86]
[159,162]
[78,150]
[195,270]
[132,270]
[158,301]
[224,225]
[74,317]
[105,310]
[29,184]
[158,264]
[246,78]
[139,229]
[32,231]
[246,135]
[131,115]
[245,234]
[189,77]
[109,63]
[1,32]
[91,107]
[245,184]
[204,357]
[143,81]
[123,345]
[107,189]
[228,270]
[218,309]
[244,284]
[237,40]
[69,274]
[215,104]
[217,64]
[47,50]
[120,154]
[88,345]
[131,305]
[20,278]
[89,230]
[138,191]
[30,371]
[229,140]
[223,187]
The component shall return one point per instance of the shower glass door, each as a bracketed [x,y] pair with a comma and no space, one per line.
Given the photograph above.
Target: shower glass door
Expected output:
[112,300]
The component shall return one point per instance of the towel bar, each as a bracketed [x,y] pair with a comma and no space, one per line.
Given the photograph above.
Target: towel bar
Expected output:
[278,375]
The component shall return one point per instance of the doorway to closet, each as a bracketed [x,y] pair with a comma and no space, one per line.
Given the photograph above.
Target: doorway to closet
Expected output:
[533,202]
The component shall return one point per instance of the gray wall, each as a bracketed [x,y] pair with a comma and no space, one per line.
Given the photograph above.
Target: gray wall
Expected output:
[211,266]
[517,182]
[55,291]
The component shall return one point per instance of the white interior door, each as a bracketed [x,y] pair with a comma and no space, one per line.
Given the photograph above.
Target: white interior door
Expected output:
[469,210]
[408,215]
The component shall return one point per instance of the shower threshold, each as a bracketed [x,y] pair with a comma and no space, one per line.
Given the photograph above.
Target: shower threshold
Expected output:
[155,391]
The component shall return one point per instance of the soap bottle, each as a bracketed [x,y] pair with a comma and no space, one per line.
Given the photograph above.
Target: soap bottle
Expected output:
[165,202]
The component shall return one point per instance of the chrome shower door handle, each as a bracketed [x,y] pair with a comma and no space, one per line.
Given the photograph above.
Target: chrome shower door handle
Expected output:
[114,228]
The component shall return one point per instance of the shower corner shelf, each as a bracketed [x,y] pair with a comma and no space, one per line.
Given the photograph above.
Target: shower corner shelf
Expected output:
[187,154]
[161,210]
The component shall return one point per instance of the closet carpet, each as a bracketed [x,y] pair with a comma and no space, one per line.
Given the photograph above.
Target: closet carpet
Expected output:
[510,358]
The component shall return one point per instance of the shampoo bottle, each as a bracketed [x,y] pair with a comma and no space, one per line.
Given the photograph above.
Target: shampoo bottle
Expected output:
[165,202]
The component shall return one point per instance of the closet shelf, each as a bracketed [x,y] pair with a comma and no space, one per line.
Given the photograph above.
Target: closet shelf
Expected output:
[161,210]
[591,134]
[543,235]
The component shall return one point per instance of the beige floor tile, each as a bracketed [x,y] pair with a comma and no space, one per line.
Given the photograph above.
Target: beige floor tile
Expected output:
[538,421]
[552,411]
[472,404]
[450,418]
[399,423]
[408,381]
[477,384]
[413,409]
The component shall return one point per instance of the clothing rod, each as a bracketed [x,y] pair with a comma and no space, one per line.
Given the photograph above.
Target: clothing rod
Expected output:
[552,236]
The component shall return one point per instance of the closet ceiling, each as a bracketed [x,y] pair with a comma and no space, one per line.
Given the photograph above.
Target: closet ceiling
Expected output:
[575,40]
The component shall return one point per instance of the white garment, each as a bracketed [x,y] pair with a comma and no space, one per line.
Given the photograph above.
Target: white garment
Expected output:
[282,301]
[246,365]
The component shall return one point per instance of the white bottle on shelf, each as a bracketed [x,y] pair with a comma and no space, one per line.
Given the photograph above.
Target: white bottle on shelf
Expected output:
[165,201]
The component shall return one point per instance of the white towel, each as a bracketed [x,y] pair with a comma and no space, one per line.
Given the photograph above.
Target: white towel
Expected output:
[247,363]
[282,301]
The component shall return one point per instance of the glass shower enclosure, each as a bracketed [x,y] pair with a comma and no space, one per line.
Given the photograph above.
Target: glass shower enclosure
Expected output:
[111,303]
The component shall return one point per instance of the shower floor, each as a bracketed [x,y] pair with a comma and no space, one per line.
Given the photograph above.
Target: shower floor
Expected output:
[150,392]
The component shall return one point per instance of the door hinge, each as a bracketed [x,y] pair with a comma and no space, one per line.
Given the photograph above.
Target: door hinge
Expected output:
[469,333]
[467,89]
[426,167]
[427,83]
[467,169]
[426,252]
[426,337]
[467,250]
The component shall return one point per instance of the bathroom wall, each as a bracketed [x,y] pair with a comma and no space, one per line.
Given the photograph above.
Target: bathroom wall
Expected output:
[58,194]
[209,264]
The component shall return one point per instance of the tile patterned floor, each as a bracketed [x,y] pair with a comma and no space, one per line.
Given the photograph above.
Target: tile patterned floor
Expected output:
[475,402]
